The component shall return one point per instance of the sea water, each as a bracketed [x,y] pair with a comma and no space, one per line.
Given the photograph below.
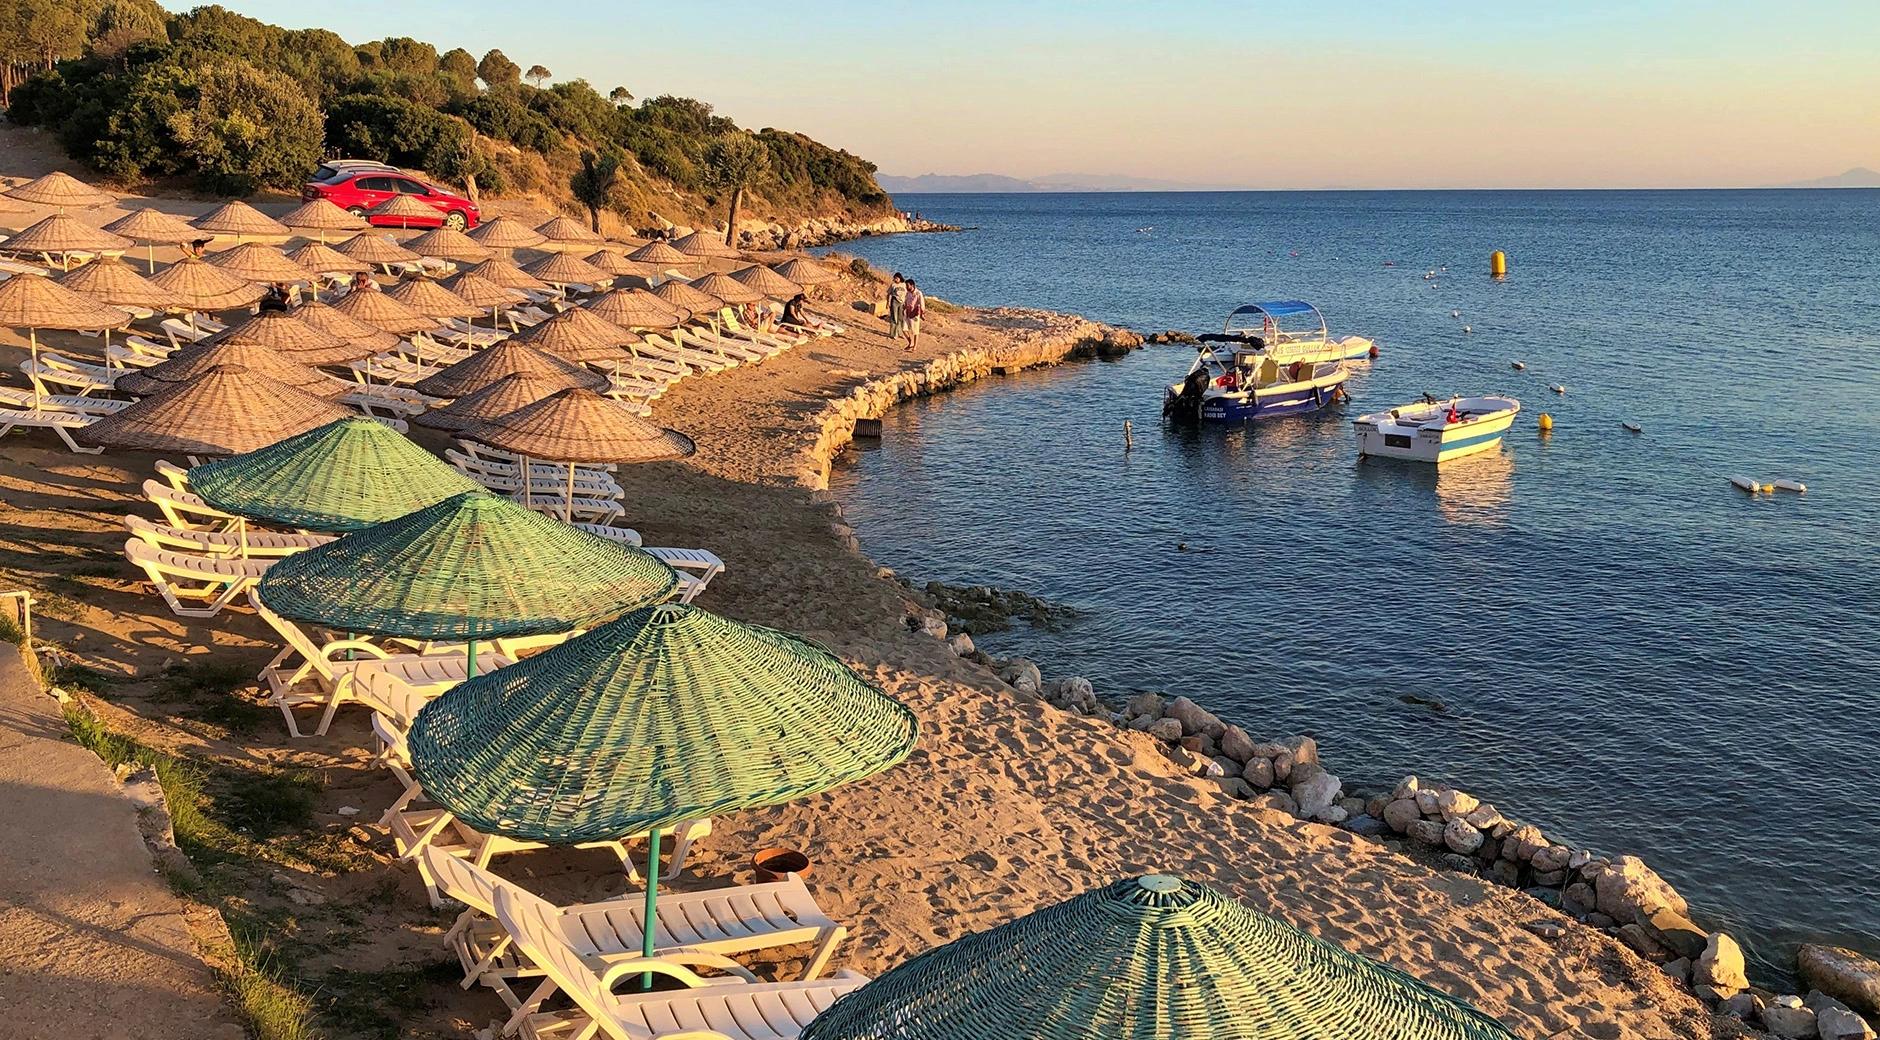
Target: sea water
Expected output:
[1626,650]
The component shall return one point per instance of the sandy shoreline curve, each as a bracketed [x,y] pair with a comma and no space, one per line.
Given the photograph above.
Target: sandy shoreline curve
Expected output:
[1008,804]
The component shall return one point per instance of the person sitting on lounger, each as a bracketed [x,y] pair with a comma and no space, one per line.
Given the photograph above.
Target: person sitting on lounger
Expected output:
[797,313]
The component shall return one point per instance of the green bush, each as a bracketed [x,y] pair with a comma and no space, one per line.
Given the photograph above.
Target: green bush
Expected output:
[244,129]
[393,130]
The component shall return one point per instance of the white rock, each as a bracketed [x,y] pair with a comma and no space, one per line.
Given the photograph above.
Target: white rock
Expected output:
[1453,803]
[1407,787]
[1721,965]
[1332,814]
[961,644]
[1462,837]
[1022,674]
[1316,792]
[1842,1024]
[1401,813]
[349,810]
[1790,1023]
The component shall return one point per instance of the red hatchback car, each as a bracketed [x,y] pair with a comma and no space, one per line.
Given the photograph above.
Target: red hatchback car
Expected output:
[359,185]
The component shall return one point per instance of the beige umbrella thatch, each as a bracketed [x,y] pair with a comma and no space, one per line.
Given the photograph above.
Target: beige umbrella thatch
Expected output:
[241,220]
[198,358]
[577,335]
[380,311]
[703,243]
[447,244]
[366,339]
[324,259]
[504,233]
[404,209]
[616,264]
[693,302]
[579,425]
[562,269]
[565,229]
[507,275]
[497,399]
[116,283]
[768,282]
[59,189]
[153,227]
[506,358]
[33,302]
[373,248]
[726,288]
[296,339]
[661,255]
[637,309]
[258,263]
[225,411]
[63,235]
[432,300]
[201,287]
[805,272]
[480,292]
[323,216]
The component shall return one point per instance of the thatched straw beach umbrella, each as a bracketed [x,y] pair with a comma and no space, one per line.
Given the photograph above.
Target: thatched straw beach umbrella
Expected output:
[323,259]
[505,234]
[345,476]
[562,270]
[575,426]
[59,189]
[199,358]
[241,220]
[365,340]
[404,209]
[805,272]
[480,292]
[448,244]
[225,411]
[488,365]
[380,311]
[114,282]
[258,263]
[578,336]
[373,248]
[322,215]
[636,309]
[33,302]
[507,275]
[768,282]
[564,230]
[153,227]
[617,265]
[726,288]
[472,567]
[432,300]
[688,299]
[661,255]
[701,243]
[495,400]
[201,287]
[668,715]
[1148,958]
[63,235]
[288,334]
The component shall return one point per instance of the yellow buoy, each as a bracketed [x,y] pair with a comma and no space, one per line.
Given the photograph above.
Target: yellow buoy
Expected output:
[1498,264]
[1547,423]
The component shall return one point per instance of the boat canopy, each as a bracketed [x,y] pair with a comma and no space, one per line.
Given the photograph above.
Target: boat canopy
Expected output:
[1275,322]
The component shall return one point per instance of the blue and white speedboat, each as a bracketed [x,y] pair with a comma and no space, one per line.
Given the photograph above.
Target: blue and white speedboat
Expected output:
[1271,359]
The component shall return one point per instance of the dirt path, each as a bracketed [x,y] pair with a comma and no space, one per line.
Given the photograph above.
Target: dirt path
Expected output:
[92,943]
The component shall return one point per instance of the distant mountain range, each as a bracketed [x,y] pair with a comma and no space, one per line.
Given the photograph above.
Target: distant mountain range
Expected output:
[1858,177]
[993,182]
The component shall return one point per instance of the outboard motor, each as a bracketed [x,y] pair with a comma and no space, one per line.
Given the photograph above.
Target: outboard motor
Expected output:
[1186,405]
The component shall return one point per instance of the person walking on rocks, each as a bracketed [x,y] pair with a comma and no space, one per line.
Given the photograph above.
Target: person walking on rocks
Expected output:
[912,310]
[897,304]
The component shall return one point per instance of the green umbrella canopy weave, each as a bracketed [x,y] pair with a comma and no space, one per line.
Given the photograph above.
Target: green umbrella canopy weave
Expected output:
[668,714]
[1151,958]
[474,566]
[344,476]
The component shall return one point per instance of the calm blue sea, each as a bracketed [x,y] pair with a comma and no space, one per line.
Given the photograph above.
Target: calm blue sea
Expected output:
[1632,653]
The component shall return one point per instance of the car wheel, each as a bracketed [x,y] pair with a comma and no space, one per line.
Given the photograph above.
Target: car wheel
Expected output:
[455,220]
[357,211]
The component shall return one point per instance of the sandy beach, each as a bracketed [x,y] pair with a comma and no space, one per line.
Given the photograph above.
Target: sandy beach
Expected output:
[1008,804]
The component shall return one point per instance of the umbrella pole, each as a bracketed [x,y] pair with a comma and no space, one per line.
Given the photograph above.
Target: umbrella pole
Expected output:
[150,256]
[528,484]
[570,517]
[648,933]
[32,337]
[470,662]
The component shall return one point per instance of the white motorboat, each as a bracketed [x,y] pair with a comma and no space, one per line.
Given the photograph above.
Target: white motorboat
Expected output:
[1437,431]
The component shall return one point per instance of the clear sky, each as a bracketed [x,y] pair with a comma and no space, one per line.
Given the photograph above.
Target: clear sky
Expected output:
[1528,93]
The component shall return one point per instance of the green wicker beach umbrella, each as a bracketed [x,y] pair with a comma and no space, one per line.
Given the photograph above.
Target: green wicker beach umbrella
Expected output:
[666,715]
[1149,958]
[474,566]
[345,476]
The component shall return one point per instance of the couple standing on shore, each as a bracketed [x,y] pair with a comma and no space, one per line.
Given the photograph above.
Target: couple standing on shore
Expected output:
[906,304]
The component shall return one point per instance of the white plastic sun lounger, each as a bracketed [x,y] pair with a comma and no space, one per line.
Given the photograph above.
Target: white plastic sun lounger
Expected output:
[60,421]
[488,454]
[248,542]
[544,475]
[707,1009]
[194,586]
[696,567]
[414,830]
[725,921]
[181,509]
[390,368]
[692,358]
[26,400]
[182,334]
[705,338]
[59,370]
